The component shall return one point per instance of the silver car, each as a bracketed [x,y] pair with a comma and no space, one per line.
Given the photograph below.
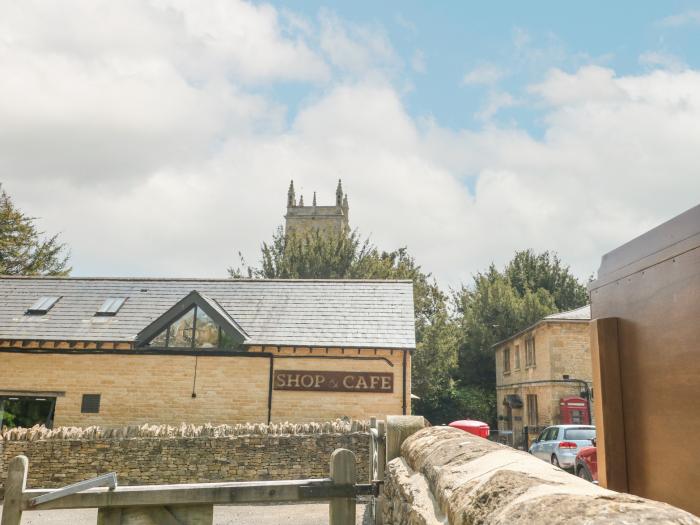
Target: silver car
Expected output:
[559,444]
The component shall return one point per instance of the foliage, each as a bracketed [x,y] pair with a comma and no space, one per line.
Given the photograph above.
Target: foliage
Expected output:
[435,357]
[531,272]
[23,250]
[459,402]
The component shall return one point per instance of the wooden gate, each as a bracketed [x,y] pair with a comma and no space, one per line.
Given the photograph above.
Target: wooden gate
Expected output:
[187,504]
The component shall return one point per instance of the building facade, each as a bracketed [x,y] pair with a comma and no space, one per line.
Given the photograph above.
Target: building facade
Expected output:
[301,219]
[113,352]
[543,376]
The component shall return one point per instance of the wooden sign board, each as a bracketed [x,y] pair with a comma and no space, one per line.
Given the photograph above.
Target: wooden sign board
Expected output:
[324,381]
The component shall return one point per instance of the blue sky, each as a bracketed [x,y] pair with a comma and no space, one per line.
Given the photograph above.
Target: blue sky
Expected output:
[523,39]
[159,137]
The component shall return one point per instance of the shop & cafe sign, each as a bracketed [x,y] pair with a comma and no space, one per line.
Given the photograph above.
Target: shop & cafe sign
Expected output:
[323,381]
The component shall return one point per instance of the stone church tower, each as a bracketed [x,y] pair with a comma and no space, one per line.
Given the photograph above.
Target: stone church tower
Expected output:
[301,218]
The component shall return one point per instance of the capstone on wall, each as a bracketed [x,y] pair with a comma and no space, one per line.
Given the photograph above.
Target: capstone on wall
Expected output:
[445,475]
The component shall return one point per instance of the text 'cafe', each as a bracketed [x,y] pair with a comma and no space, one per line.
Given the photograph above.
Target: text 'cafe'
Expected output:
[113,352]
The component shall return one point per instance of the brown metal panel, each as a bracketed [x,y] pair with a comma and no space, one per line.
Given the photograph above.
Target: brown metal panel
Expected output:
[659,354]
[610,432]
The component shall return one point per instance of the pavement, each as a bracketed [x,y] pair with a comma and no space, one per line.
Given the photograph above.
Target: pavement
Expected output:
[301,514]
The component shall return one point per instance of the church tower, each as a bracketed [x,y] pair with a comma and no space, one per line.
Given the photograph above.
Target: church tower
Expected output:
[301,219]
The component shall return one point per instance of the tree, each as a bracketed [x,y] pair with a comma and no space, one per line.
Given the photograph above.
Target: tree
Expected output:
[489,312]
[23,249]
[345,255]
[530,271]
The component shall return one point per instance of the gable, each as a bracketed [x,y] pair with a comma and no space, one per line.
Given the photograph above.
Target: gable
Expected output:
[196,321]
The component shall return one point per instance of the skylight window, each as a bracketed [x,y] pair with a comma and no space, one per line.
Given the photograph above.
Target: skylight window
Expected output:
[111,306]
[42,305]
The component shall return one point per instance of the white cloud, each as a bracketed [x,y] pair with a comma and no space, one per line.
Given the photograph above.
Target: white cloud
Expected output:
[495,101]
[653,59]
[691,16]
[483,74]
[418,62]
[153,160]
[355,48]
[590,84]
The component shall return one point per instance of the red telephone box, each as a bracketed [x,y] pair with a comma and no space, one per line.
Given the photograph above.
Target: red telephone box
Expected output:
[574,411]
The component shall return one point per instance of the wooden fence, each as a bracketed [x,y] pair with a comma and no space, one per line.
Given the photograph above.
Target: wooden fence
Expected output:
[189,504]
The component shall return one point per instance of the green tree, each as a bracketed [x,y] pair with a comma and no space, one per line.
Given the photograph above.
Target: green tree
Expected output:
[490,311]
[23,249]
[345,255]
[528,271]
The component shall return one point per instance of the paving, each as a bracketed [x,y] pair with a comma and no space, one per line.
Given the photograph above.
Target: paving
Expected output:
[307,514]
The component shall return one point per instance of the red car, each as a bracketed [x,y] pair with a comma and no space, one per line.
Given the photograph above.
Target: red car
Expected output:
[586,466]
[478,428]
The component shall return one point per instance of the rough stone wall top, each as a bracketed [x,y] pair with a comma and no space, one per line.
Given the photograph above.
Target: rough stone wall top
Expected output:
[472,480]
[186,454]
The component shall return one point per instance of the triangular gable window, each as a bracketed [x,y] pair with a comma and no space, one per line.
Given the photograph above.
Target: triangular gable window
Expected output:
[194,322]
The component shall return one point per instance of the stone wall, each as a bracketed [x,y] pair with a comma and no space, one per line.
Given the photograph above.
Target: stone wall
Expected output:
[445,475]
[161,454]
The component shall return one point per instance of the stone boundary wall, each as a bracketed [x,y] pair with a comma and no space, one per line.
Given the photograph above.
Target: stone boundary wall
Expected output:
[164,454]
[445,475]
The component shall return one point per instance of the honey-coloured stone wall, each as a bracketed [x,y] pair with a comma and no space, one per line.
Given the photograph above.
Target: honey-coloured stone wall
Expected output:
[140,460]
[137,389]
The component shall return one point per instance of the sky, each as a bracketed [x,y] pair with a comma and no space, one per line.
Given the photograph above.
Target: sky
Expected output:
[158,138]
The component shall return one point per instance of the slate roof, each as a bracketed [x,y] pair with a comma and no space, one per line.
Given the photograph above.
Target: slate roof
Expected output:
[579,314]
[374,314]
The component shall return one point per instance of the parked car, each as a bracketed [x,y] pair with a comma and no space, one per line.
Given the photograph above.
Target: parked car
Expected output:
[587,463]
[559,444]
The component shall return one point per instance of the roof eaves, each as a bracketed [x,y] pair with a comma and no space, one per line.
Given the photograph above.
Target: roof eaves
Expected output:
[194,279]
[544,320]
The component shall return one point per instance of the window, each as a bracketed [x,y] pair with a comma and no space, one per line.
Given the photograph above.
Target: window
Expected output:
[193,329]
[532,410]
[579,434]
[111,306]
[91,404]
[26,411]
[552,434]
[42,305]
[530,352]
[506,360]
[517,357]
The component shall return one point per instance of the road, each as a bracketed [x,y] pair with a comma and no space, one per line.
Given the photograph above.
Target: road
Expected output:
[307,514]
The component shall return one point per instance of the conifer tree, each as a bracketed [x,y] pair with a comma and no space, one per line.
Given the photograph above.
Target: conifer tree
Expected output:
[23,248]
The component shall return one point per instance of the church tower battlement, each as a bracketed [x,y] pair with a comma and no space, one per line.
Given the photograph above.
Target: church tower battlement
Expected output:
[302,219]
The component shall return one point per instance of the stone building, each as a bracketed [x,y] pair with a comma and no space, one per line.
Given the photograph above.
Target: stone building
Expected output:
[112,352]
[302,219]
[543,375]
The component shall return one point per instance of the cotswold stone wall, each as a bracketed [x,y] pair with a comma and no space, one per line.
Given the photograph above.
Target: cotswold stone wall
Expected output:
[166,454]
[445,475]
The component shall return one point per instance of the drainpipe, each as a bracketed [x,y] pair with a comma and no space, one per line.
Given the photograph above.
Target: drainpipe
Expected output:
[403,396]
[269,390]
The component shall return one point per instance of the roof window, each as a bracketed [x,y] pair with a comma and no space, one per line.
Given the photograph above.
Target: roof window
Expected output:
[42,305]
[111,306]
